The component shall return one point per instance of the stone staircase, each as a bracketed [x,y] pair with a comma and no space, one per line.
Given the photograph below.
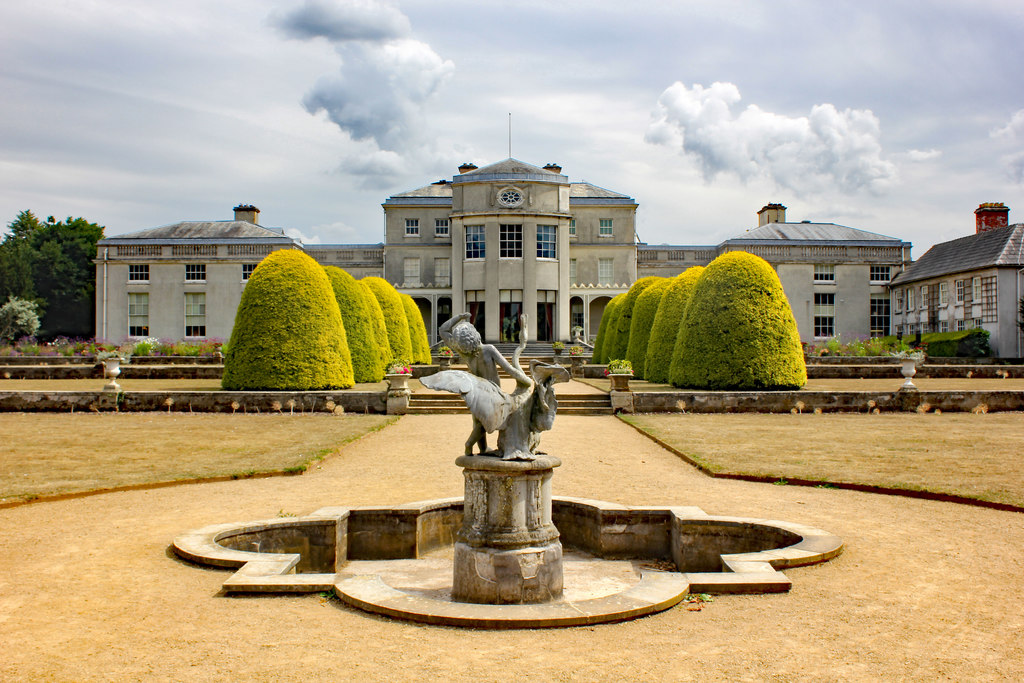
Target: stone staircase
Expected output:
[452,404]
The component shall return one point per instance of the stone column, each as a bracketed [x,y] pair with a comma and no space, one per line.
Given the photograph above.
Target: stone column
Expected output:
[507,551]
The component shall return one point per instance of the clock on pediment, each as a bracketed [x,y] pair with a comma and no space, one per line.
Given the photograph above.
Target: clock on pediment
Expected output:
[510,197]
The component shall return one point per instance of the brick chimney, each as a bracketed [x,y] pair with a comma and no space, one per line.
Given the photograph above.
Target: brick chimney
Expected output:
[247,213]
[771,213]
[554,168]
[991,215]
[467,167]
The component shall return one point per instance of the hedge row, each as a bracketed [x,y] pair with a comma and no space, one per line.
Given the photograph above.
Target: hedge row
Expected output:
[972,343]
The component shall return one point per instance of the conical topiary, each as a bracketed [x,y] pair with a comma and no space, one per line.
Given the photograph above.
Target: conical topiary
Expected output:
[644,310]
[667,321]
[619,336]
[417,330]
[379,327]
[739,332]
[367,363]
[600,343]
[394,317]
[288,333]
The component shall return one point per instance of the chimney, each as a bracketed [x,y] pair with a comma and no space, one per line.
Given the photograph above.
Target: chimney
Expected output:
[467,167]
[771,213]
[554,168]
[247,213]
[991,215]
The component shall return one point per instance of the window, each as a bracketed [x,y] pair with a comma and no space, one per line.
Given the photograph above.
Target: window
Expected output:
[572,271]
[825,274]
[195,272]
[899,300]
[440,227]
[442,272]
[910,298]
[959,284]
[546,242]
[605,271]
[924,296]
[572,227]
[475,241]
[961,325]
[195,314]
[510,241]
[247,269]
[138,272]
[824,314]
[605,227]
[976,290]
[138,315]
[411,271]
[943,326]
[412,227]
[880,275]
[879,315]
[943,293]
[989,314]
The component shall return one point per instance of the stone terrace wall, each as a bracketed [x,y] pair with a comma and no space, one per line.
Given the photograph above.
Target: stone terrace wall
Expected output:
[194,401]
[826,401]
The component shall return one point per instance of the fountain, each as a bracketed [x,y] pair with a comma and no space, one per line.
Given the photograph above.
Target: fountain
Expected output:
[494,558]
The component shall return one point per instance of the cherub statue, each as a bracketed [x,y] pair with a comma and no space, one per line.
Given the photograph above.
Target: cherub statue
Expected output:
[520,416]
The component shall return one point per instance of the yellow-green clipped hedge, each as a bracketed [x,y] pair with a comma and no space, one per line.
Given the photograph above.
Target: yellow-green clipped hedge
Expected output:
[618,336]
[367,363]
[607,315]
[395,320]
[288,333]
[417,330]
[667,321]
[643,321]
[739,332]
[377,324]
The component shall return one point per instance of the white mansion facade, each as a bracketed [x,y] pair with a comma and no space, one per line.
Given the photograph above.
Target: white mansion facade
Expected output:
[495,241]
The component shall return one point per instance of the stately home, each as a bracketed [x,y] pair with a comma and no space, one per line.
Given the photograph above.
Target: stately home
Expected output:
[973,281]
[495,241]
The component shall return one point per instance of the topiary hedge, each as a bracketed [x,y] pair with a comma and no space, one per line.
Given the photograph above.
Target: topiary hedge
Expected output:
[377,324]
[618,336]
[739,332]
[367,363]
[288,333]
[667,322]
[972,343]
[598,356]
[395,320]
[417,330]
[643,320]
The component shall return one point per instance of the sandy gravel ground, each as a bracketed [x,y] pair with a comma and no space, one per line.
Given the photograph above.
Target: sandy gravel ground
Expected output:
[924,591]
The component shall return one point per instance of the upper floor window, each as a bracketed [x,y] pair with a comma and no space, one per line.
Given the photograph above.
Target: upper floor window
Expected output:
[546,242]
[412,227]
[943,293]
[411,270]
[475,244]
[899,300]
[510,241]
[441,227]
[572,227]
[605,227]
[138,272]
[910,298]
[880,275]
[195,272]
[572,271]
[247,269]
[442,271]
[824,273]
[959,284]
[605,271]
[976,290]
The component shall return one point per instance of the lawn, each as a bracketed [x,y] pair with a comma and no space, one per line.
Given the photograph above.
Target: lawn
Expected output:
[924,384]
[44,454]
[977,456]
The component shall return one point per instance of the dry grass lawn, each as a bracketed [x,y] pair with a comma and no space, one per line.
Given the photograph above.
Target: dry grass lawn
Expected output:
[924,384]
[44,454]
[978,456]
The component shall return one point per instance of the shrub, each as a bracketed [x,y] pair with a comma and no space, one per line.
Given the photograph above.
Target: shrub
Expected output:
[417,330]
[667,322]
[367,364]
[739,332]
[18,318]
[395,320]
[643,320]
[619,335]
[377,324]
[599,355]
[288,333]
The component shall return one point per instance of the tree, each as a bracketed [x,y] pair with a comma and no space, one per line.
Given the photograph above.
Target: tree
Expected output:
[394,317]
[17,319]
[667,322]
[643,320]
[17,258]
[288,333]
[356,316]
[739,332]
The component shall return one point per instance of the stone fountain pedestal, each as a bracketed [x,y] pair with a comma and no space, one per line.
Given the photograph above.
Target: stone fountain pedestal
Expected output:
[507,551]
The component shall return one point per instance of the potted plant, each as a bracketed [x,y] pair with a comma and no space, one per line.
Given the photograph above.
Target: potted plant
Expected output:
[557,347]
[576,358]
[444,357]
[619,371]
[398,374]
[909,360]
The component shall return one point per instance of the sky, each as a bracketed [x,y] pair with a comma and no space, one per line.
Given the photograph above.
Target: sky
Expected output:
[898,118]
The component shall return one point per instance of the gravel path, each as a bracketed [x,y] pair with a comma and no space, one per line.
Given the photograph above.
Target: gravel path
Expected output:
[925,590]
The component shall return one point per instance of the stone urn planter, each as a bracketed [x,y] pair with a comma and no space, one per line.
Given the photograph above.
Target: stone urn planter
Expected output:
[620,381]
[444,362]
[398,382]
[111,371]
[908,367]
[576,366]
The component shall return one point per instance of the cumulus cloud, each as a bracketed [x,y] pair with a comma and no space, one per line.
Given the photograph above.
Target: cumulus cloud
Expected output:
[826,149]
[386,77]
[1012,135]
[923,154]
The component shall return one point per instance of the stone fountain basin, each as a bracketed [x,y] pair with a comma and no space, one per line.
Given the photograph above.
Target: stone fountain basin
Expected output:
[621,562]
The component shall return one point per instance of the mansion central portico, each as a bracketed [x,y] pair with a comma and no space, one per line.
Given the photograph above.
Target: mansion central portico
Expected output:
[507,239]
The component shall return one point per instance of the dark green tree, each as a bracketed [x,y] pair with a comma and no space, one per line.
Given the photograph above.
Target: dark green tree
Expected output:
[17,257]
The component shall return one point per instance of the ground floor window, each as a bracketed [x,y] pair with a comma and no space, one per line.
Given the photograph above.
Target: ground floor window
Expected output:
[510,308]
[879,315]
[444,310]
[576,317]
[605,271]
[195,314]
[546,314]
[477,310]
[138,315]
[824,314]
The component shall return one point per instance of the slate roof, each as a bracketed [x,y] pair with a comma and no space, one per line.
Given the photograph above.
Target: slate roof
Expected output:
[999,247]
[204,230]
[814,232]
